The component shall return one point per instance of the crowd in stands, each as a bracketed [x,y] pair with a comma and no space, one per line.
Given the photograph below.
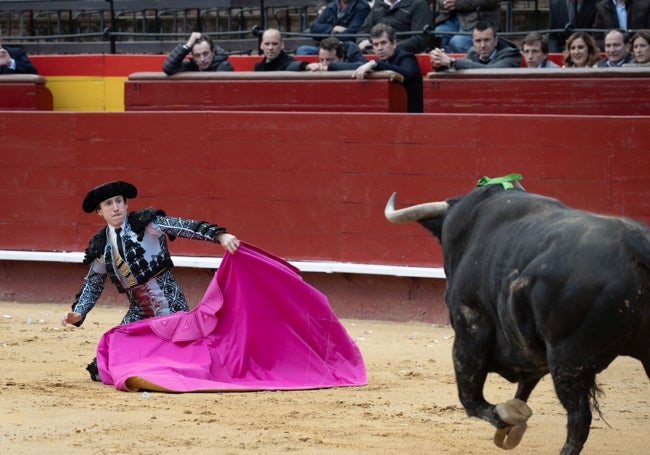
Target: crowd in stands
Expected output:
[343,29]
[386,34]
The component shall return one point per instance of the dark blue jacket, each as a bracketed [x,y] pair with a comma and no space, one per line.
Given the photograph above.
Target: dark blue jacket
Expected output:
[353,54]
[23,64]
[401,62]
[604,63]
[351,17]
[406,64]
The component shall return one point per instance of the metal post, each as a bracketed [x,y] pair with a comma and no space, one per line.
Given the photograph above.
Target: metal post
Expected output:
[111,36]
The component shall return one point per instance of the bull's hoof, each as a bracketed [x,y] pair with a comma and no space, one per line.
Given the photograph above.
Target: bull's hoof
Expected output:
[515,413]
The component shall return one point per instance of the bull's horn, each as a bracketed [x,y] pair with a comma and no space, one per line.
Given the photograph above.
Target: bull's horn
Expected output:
[415,212]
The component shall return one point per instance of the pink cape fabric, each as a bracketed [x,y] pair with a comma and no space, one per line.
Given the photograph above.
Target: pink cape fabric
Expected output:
[259,326]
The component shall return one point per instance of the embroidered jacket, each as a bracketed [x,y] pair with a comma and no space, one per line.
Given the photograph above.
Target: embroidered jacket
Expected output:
[150,286]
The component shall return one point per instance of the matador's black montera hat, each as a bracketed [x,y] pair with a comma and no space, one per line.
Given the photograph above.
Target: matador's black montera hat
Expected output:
[107,191]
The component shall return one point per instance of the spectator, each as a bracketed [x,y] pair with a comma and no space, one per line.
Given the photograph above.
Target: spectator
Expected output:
[403,16]
[338,17]
[617,49]
[640,43]
[391,57]
[205,56]
[14,61]
[488,51]
[132,249]
[581,51]
[331,50]
[567,15]
[621,14]
[462,16]
[535,51]
[275,59]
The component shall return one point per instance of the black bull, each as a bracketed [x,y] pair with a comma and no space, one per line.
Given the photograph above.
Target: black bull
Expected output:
[535,287]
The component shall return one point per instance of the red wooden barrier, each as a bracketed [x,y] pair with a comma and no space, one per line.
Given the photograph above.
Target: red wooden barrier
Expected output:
[125,64]
[24,92]
[307,186]
[564,91]
[265,91]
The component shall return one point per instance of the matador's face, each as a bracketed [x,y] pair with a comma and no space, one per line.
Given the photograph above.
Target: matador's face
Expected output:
[113,210]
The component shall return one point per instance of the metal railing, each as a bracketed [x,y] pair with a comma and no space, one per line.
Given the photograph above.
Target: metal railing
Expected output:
[43,26]
[156,26]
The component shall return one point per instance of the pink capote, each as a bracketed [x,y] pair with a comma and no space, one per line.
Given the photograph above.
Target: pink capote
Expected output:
[259,326]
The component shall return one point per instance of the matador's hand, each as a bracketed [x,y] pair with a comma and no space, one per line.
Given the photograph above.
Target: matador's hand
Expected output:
[229,242]
[70,318]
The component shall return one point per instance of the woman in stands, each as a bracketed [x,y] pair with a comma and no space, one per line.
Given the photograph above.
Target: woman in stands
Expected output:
[581,51]
[641,47]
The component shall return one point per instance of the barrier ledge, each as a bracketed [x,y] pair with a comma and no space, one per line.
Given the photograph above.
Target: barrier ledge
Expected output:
[561,91]
[295,91]
[25,92]
[22,79]
[529,73]
[203,262]
[263,75]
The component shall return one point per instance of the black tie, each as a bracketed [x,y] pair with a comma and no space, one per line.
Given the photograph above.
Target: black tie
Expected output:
[120,247]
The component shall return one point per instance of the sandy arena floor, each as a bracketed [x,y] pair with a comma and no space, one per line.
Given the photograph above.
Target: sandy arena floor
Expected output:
[50,406]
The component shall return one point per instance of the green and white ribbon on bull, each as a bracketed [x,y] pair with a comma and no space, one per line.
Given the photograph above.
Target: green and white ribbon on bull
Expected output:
[506,181]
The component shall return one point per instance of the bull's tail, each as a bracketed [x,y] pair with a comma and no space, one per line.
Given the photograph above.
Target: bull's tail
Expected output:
[596,392]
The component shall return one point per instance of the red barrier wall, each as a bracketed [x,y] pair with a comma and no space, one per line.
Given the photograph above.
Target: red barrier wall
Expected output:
[25,96]
[561,91]
[305,185]
[301,185]
[264,94]
[123,65]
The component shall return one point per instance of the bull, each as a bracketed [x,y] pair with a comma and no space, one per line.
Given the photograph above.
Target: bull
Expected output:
[535,287]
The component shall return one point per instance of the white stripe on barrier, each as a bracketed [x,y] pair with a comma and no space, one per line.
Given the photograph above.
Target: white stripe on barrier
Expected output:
[213,262]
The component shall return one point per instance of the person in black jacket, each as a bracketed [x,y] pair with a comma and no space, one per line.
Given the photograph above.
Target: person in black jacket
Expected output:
[403,16]
[15,61]
[275,59]
[568,15]
[205,56]
[390,57]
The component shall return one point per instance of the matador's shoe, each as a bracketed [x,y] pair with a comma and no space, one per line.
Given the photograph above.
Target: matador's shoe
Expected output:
[94,372]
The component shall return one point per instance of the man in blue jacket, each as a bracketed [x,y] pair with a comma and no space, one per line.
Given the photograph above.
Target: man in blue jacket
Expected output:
[340,17]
